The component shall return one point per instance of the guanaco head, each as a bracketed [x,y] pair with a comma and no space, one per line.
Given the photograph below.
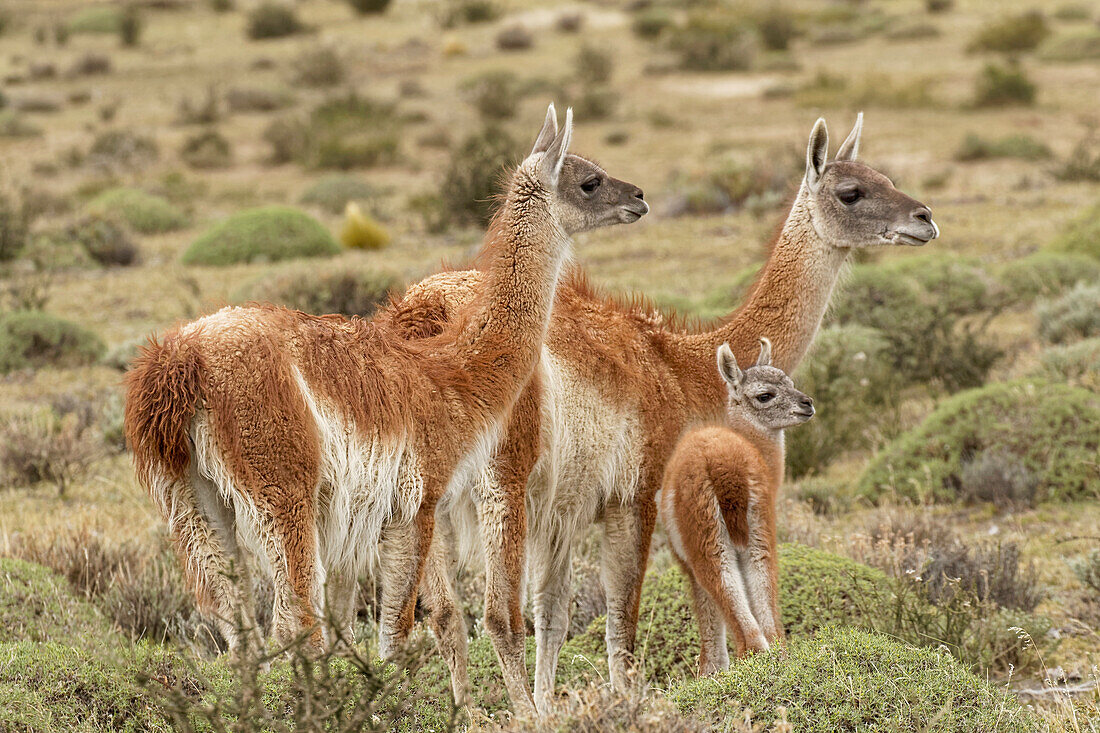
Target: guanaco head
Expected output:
[853,205]
[583,196]
[762,395]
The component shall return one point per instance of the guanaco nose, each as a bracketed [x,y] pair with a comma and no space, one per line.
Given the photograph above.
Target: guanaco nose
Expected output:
[638,194]
[923,214]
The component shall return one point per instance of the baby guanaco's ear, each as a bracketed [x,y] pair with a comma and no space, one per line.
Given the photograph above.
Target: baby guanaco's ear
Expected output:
[765,358]
[849,149]
[548,132]
[816,152]
[727,367]
[554,157]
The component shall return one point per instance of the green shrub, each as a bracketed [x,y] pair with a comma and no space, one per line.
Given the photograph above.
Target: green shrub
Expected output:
[777,29]
[1083,162]
[849,373]
[104,19]
[332,193]
[652,22]
[974,147]
[369,7]
[350,291]
[105,241]
[37,605]
[1087,570]
[1078,364]
[1080,46]
[273,20]
[130,26]
[458,12]
[1013,34]
[1044,275]
[714,42]
[1082,236]
[267,234]
[1075,315]
[318,67]
[13,228]
[349,132]
[141,211]
[921,309]
[473,176]
[122,148]
[495,94]
[207,150]
[1053,429]
[1003,86]
[846,680]
[31,339]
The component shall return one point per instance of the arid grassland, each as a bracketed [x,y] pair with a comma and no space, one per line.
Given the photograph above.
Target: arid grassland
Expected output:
[160,159]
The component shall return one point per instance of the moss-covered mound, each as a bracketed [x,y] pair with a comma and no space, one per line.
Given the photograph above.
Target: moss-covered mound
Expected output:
[262,235]
[141,211]
[1052,429]
[35,339]
[36,604]
[842,679]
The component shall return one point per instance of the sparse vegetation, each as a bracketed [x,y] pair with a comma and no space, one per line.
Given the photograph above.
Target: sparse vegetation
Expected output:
[208,149]
[1045,274]
[268,234]
[515,38]
[273,19]
[333,192]
[369,7]
[974,147]
[351,291]
[1013,34]
[105,241]
[495,94]
[319,67]
[55,445]
[1075,315]
[473,176]
[714,42]
[122,148]
[1003,86]
[1082,236]
[1077,363]
[32,339]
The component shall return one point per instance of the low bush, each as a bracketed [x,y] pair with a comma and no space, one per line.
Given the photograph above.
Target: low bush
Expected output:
[1075,315]
[257,99]
[350,291]
[141,211]
[1083,162]
[495,94]
[515,38]
[333,193]
[922,309]
[999,477]
[1087,570]
[1053,429]
[273,20]
[105,241]
[1079,46]
[267,234]
[845,679]
[13,228]
[593,66]
[207,150]
[1045,274]
[850,375]
[318,67]
[369,7]
[52,446]
[473,176]
[130,26]
[13,125]
[1003,86]
[91,64]
[1082,236]
[1078,364]
[714,42]
[206,111]
[974,147]
[102,19]
[362,231]
[652,22]
[31,339]
[348,132]
[1012,34]
[596,103]
[467,12]
[758,183]
[122,148]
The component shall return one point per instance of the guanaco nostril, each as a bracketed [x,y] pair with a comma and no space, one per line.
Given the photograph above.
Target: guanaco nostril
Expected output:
[640,194]
[808,403]
[923,214]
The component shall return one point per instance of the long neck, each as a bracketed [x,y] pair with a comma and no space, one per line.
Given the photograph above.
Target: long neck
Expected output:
[769,443]
[500,342]
[786,304]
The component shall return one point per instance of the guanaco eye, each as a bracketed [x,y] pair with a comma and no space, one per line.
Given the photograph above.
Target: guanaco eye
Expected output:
[764,397]
[849,196]
[590,185]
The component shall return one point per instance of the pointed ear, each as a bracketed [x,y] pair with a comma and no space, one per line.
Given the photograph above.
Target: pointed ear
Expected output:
[554,157]
[727,367]
[548,132]
[765,358]
[850,148]
[816,153]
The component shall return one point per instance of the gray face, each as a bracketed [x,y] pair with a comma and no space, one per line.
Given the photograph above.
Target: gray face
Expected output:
[768,398]
[856,206]
[588,198]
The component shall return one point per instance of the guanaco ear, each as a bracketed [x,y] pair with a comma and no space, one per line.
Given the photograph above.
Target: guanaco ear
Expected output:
[816,153]
[849,149]
[727,367]
[554,157]
[765,358]
[548,132]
